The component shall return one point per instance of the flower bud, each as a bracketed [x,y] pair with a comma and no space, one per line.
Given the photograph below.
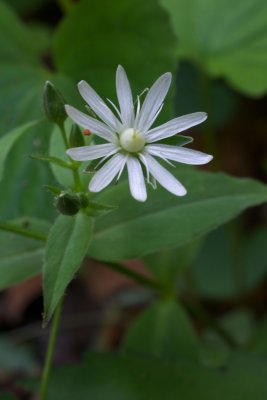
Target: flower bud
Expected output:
[76,138]
[68,204]
[54,104]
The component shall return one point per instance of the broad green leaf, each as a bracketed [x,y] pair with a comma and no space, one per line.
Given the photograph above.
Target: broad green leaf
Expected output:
[21,257]
[66,248]
[162,331]
[7,141]
[109,377]
[230,263]
[15,40]
[166,221]
[215,270]
[167,264]
[21,186]
[228,39]
[133,33]
[189,96]
[21,189]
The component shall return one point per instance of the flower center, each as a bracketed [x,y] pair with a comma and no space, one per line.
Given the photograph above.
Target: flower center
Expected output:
[132,141]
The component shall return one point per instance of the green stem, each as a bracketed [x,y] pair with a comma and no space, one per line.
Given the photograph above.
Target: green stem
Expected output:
[143,280]
[76,178]
[75,172]
[6,226]
[64,135]
[50,352]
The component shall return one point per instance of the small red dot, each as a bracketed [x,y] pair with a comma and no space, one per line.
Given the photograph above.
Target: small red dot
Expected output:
[87,132]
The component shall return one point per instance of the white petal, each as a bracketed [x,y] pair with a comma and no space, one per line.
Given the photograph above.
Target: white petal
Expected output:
[175,126]
[98,105]
[164,177]
[136,179]
[87,122]
[125,97]
[107,173]
[153,101]
[180,154]
[85,153]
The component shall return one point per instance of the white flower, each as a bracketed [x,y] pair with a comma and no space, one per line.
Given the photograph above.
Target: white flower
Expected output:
[130,139]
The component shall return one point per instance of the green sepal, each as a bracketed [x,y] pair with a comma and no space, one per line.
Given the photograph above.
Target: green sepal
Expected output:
[70,203]
[76,138]
[90,111]
[92,167]
[51,159]
[54,104]
[53,189]
[177,140]
[97,210]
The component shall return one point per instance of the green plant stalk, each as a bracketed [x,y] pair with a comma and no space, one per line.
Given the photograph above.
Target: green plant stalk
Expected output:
[50,352]
[6,226]
[75,172]
[143,280]
[64,135]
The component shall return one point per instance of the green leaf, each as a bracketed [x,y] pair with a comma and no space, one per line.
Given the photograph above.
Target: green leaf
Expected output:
[97,210]
[162,331]
[212,200]
[21,185]
[66,248]
[223,101]
[53,160]
[7,141]
[167,264]
[227,39]
[15,40]
[109,377]
[229,263]
[21,257]
[138,33]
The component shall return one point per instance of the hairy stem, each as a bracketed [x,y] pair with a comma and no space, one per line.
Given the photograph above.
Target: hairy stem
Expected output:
[6,226]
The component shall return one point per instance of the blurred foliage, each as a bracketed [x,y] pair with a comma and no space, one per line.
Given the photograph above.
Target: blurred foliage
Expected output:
[225,39]
[229,264]
[112,377]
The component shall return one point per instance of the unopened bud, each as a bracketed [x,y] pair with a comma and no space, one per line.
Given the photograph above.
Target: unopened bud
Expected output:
[76,138]
[54,104]
[70,203]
